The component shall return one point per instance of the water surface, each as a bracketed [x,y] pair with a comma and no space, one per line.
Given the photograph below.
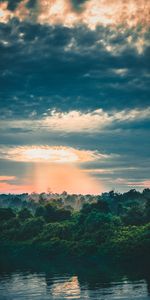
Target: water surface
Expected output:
[62,280]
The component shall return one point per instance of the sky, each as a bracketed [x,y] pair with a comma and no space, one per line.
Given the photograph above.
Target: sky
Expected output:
[74,95]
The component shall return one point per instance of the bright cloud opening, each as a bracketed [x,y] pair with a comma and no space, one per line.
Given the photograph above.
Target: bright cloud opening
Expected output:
[57,168]
[52,154]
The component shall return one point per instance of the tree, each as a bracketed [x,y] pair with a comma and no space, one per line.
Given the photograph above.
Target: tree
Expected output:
[147,210]
[6,214]
[134,216]
[63,214]
[51,213]
[31,228]
[42,198]
[40,211]
[101,206]
[24,214]
[146,193]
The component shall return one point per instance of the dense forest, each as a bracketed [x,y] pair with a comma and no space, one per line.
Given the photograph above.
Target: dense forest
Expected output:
[110,225]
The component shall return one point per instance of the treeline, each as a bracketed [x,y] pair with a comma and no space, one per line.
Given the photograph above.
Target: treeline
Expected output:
[114,225]
[118,202]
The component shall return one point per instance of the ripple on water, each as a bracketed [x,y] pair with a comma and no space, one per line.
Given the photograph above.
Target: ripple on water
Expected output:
[43,286]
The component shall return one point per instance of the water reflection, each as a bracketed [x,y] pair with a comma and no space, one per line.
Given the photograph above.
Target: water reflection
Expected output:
[31,279]
[66,288]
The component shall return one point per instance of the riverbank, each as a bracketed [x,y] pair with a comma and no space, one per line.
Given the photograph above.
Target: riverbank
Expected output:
[42,251]
[95,232]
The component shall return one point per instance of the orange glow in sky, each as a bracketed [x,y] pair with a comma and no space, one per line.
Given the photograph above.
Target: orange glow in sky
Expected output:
[64,177]
[55,168]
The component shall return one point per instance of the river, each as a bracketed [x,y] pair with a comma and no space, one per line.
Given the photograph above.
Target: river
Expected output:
[43,280]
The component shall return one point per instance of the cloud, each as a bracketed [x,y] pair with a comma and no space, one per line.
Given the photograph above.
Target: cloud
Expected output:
[57,168]
[15,189]
[7,178]
[74,68]
[99,171]
[79,121]
[11,184]
[121,72]
[69,13]
[51,154]
[76,121]
[132,183]
[76,74]
[139,184]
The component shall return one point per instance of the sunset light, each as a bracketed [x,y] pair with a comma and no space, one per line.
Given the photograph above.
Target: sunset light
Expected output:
[74,95]
[52,154]
[58,155]
[55,167]
[74,149]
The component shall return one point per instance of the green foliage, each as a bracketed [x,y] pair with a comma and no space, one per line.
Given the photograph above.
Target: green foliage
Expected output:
[24,214]
[62,230]
[6,214]
[30,228]
[114,225]
[100,205]
[147,210]
[134,216]
[40,211]
[51,213]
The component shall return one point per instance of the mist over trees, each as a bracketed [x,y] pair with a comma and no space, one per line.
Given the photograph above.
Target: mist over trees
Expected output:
[111,224]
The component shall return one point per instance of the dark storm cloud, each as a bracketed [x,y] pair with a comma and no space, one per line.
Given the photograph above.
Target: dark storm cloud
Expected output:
[78,4]
[67,68]
[11,4]
[47,67]
[31,3]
